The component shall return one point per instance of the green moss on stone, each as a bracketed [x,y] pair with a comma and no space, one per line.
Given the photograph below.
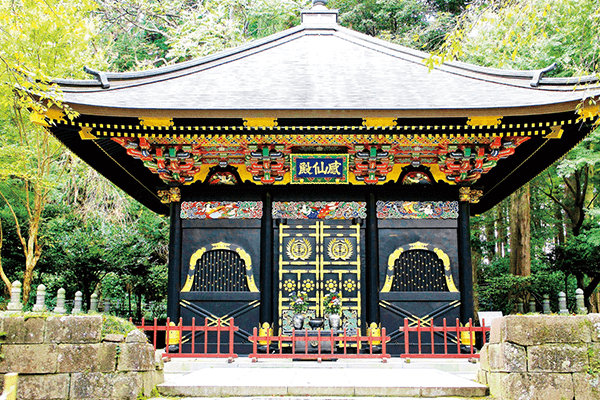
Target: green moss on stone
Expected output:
[112,324]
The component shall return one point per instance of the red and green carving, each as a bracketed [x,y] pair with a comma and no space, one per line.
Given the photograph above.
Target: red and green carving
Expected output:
[267,164]
[466,163]
[172,163]
[371,164]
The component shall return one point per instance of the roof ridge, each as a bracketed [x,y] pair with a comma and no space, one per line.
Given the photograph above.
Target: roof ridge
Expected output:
[103,78]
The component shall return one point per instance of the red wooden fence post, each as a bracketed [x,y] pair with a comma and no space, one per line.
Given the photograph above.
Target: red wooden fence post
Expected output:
[155,331]
[167,335]
[193,334]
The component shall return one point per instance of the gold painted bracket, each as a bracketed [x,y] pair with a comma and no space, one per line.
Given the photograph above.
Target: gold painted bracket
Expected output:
[173,195]
[52,114]
[379,122]
[156,122]
[260,122]
[484,121]
[85,133]
[588,110]
[556,132]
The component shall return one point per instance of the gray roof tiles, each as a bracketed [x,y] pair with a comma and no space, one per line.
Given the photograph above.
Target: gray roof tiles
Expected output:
[329,68]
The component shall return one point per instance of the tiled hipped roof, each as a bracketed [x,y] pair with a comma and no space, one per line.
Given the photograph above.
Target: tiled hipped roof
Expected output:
[320,67]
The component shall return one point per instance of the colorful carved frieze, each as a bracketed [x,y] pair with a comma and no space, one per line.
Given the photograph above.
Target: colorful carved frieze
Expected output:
[460,159]
[371,164]
[221,210]
[417,209]
[174,163]
[466,163]
[319,210]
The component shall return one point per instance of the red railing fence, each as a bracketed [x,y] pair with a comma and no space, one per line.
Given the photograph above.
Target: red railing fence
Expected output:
[180,335]
[460,340]
[323,346]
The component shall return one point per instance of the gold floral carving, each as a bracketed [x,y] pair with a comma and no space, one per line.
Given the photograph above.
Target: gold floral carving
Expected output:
[379,122]
[473,196]
[464,194]
[476,196]
[484,121]
[156,122]
[260,122]
[173,195]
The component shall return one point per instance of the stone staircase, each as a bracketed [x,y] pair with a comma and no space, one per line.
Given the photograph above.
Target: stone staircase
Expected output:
[437,378]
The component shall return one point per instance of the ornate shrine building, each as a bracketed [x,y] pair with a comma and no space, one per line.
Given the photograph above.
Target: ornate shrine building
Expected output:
[321,159]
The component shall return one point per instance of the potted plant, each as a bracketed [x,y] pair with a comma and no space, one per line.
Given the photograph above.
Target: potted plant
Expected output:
[298,304]
[332,306]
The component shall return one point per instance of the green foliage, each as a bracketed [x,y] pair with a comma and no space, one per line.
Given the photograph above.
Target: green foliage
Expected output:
[412,23]
[527,34]
[149,33]
[579,255]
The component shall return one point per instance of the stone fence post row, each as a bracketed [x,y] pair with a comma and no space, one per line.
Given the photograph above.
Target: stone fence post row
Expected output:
[15,304]
[580,307]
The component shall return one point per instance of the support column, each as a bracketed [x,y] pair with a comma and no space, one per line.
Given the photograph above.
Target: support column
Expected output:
[464,263]
[266,261]
[174,281]
[372,261]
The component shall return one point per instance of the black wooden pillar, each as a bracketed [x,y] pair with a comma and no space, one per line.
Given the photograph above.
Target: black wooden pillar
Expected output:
[464,263]
[174,262]
[372,261]
[266,261]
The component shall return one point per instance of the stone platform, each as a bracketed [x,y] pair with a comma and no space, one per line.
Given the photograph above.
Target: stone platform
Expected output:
[342,378]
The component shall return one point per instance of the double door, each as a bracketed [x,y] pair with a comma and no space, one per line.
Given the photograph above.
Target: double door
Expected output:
[317,257]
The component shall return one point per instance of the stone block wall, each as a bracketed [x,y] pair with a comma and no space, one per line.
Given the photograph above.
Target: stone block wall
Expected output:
[545,357]
[66,357]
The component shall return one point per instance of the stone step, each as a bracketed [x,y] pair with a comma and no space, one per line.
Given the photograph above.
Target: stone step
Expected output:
[232,382]
[454,366]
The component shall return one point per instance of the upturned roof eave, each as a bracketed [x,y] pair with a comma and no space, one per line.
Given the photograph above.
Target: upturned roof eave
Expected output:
[537,109]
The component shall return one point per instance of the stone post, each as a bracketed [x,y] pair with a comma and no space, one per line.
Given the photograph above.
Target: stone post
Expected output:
[60,302]
[40,299]
[520,309]
[15,298]
[581,308]
[94,302]
[106,306]
[546,304]
[562,303]
[532,306]
[77,303]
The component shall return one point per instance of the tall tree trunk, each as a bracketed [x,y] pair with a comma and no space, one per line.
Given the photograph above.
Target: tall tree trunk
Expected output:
[490,236]
[7,284]
[560,226]
[520,232]
[501,228]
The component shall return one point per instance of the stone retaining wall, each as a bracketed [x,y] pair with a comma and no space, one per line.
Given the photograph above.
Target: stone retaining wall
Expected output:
[543,357]
[66,357]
